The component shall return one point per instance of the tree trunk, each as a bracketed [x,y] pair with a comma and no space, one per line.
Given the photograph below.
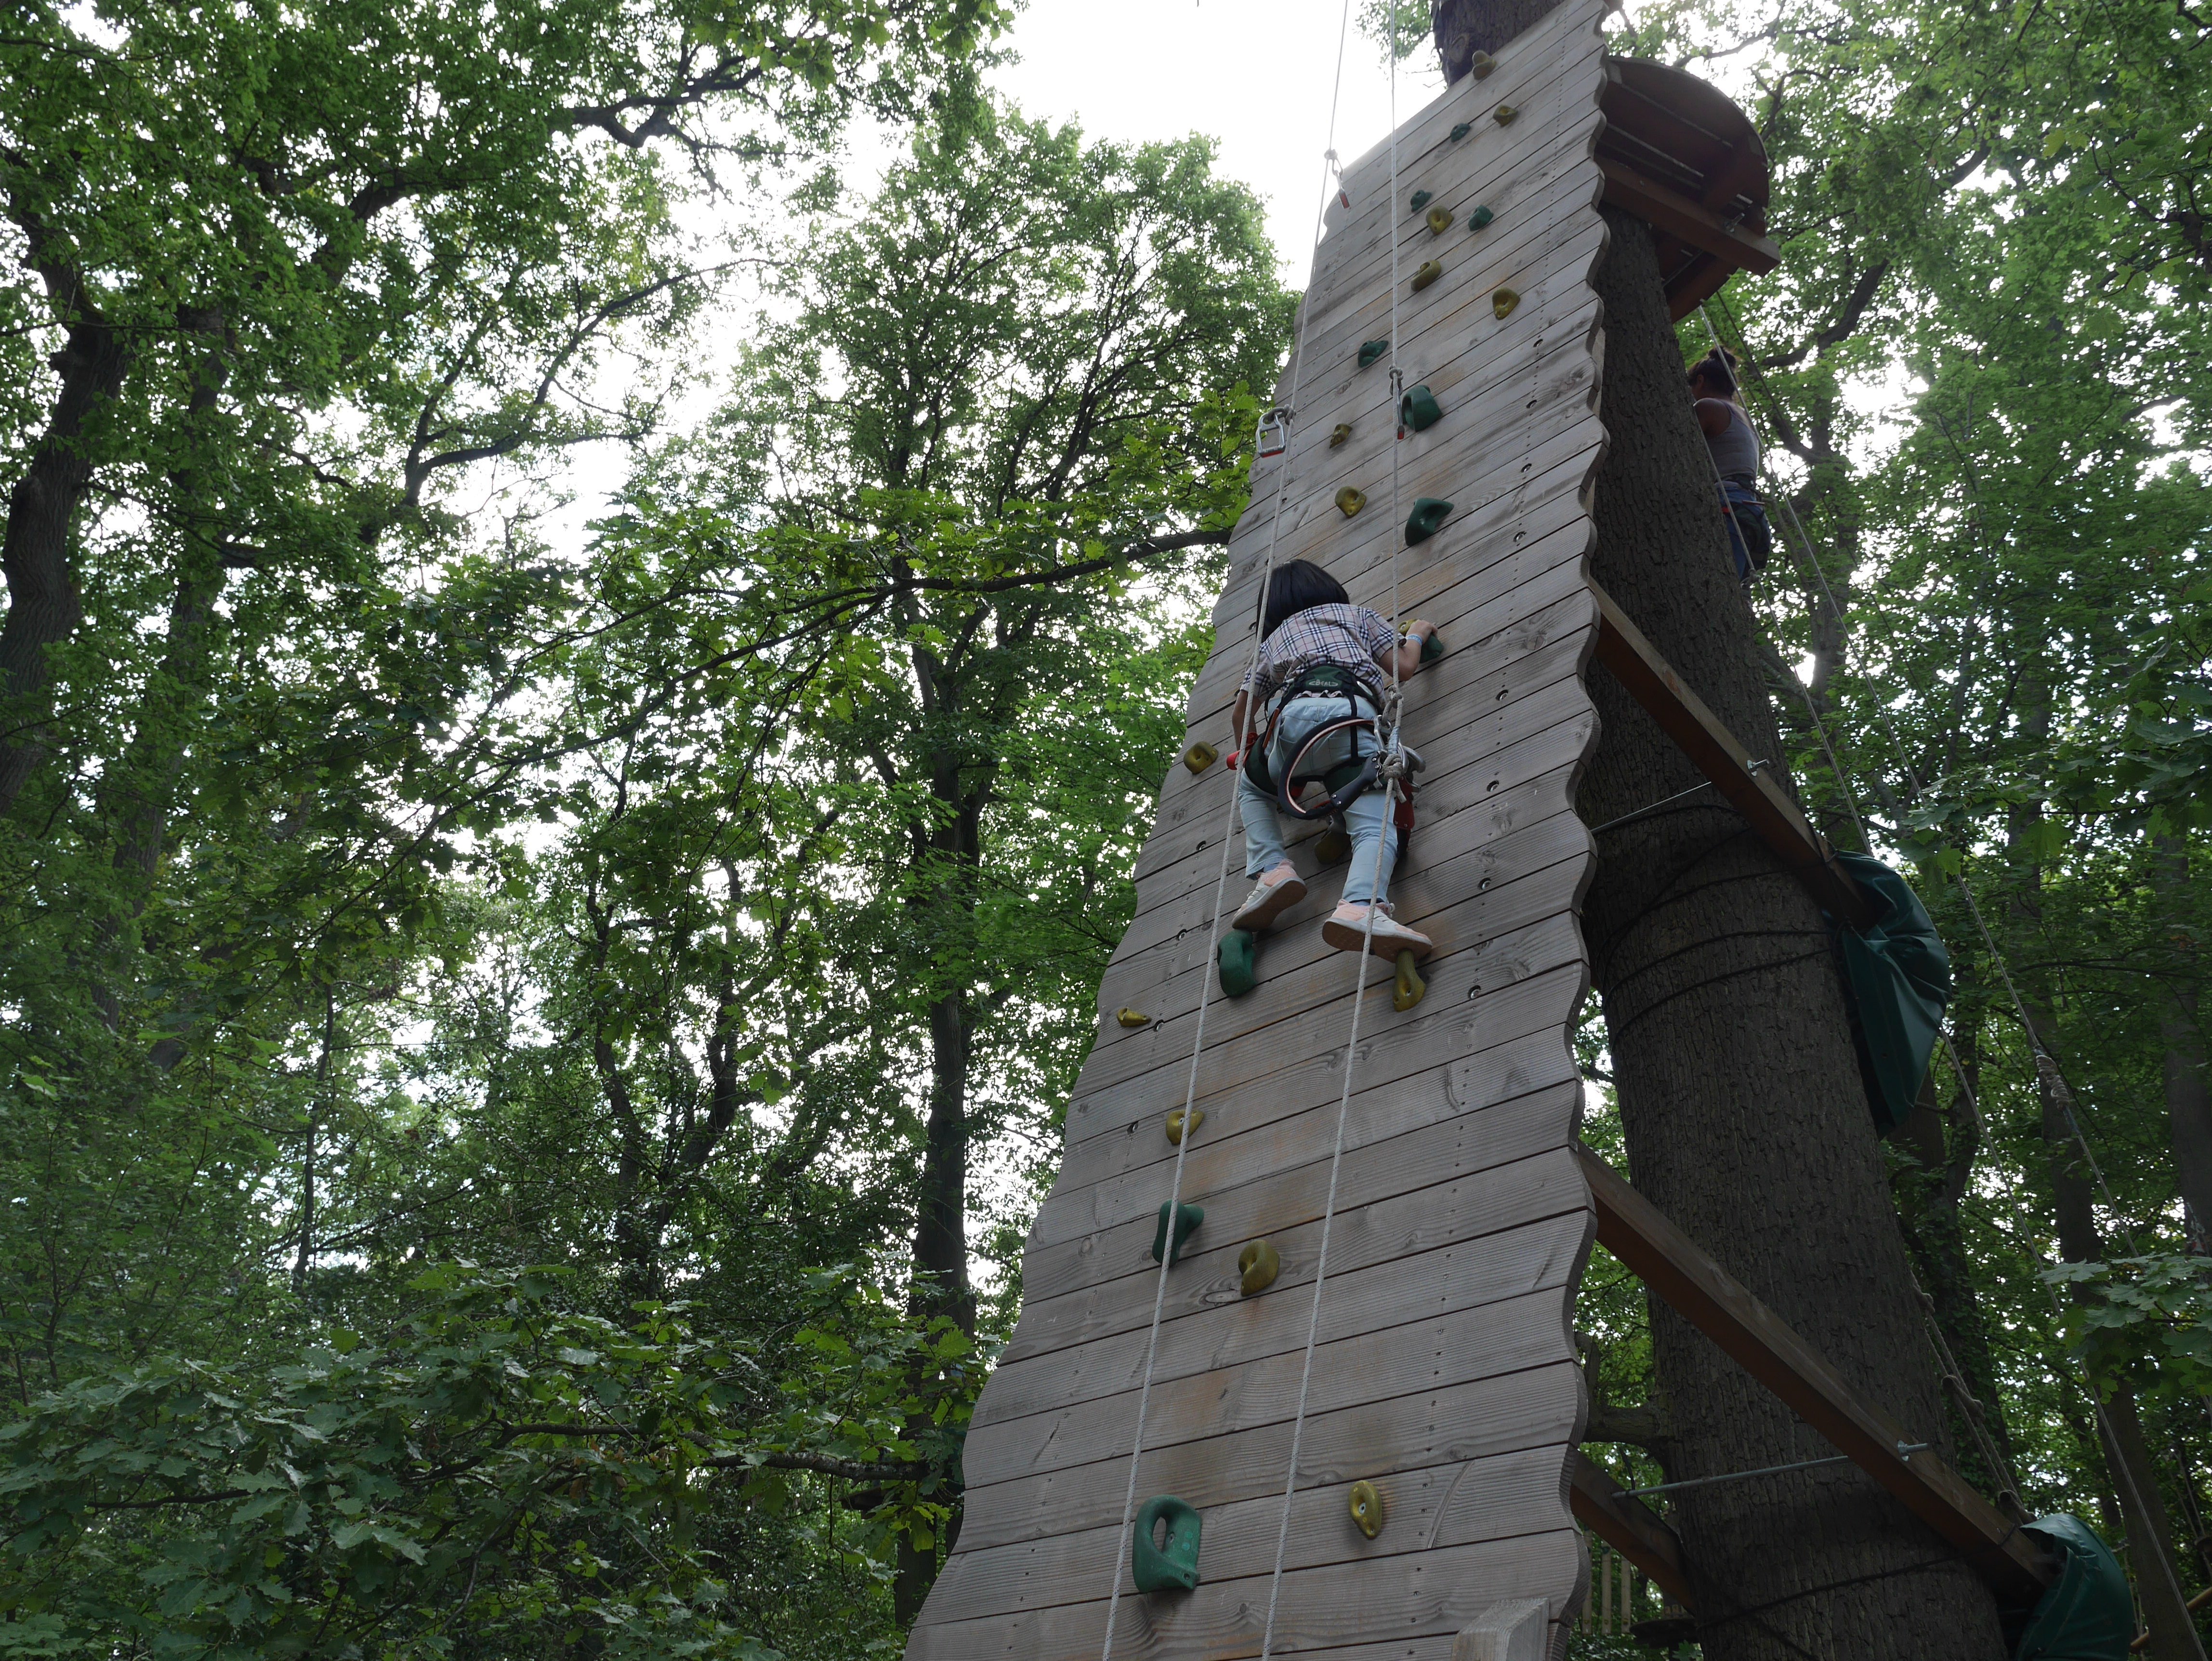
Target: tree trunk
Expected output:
[2188,1105]
[1465,27]
[2172,1629]
[1929,1211]
[1745,1116]
[44,607]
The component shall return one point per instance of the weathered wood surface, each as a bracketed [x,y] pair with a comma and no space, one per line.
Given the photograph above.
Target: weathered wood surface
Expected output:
[1443,1362]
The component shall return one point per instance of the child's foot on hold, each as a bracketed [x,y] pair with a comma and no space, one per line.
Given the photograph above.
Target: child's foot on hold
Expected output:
[1278,889]
[1346,928]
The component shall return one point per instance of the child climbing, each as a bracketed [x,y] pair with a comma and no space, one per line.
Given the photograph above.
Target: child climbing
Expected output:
[1735,449]
[1322,658]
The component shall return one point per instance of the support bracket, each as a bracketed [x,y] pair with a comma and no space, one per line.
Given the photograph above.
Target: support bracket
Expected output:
[1747,784]
[1629,1527]
[1758,1339]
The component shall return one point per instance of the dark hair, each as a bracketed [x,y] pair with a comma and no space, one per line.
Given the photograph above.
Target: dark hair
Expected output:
[1717,369]
[1294,587]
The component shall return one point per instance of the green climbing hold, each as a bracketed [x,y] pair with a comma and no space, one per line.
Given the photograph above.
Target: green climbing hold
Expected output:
[1432,648]
[1338,434]
[1373,351]
[1188,1218]
[1479,217]
[1420,410]
[1421,199]
[1439,221]
[1426,519]
[1349,501]
[1240,963]
[1430,271]
[1172,1563]
[1461,130]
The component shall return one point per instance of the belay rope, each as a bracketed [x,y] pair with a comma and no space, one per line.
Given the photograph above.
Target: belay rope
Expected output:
[1220,883]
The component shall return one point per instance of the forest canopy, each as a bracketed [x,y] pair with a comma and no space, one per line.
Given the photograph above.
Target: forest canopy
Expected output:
[581,689]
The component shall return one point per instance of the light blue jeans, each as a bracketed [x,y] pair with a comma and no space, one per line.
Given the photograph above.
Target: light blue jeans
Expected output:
[1368,819]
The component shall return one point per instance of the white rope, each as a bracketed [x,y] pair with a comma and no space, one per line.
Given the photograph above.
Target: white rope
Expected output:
[1392,769]
[1220,883]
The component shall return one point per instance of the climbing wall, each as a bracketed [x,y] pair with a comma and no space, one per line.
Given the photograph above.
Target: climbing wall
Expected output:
[1442,1370]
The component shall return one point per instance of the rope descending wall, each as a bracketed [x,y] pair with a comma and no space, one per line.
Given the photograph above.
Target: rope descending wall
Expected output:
[1436,1429]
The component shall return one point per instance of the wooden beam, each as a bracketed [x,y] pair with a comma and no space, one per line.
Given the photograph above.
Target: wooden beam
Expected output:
[1749,786]
[1629,1527]
[1735,245]
[1671,1264]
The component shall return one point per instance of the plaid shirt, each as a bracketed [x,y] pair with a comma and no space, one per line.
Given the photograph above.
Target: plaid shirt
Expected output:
[1349,636]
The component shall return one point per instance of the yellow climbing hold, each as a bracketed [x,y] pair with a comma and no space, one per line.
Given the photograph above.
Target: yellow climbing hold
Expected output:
[1349,501]
[1258,1264]
[1200,757]
[1430,271]
[1481,64]
[1439,221]
[1411,988]
[1338,434]
[1132,1018]
[1503,303]
[1505,114]
[1175,1122]
[1367,1508]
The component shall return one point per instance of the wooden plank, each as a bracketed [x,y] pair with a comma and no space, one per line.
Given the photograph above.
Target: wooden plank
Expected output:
[1436,1505]
[1629,1527]
[1288,1110]
[1732,243]
[1312,528]
[1408,1594]
[1471,1245]
[1511,1003]
[1750,788]
[1472,1419]
[1515,1133]
[1704,1293]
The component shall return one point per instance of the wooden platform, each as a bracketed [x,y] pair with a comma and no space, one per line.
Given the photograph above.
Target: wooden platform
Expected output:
[1443,1367]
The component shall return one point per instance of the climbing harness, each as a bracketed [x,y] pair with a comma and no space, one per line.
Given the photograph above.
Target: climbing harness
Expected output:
[1179,1528]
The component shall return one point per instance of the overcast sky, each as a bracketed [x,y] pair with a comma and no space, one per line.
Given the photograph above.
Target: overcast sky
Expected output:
[1254,76]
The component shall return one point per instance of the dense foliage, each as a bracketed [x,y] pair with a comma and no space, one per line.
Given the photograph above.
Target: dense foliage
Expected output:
[529,1038]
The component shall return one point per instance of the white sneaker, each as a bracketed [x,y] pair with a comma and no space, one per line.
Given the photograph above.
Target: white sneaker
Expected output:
[1278,889]
[1346,928]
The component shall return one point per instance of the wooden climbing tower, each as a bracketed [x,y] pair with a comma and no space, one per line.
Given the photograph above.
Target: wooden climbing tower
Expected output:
[1443,1365]
[1444,1182]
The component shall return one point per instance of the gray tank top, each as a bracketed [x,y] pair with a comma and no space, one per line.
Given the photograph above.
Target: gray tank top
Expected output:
[1735,451]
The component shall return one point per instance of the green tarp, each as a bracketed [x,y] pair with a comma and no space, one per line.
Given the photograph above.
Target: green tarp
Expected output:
[2088,1614]
[1897,979]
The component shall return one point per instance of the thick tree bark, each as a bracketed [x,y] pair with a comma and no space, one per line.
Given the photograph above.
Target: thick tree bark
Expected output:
[43,604]
[1739,1092]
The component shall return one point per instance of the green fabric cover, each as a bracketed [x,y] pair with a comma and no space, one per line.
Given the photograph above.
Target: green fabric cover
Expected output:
[1897,980]
[2087,1615]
